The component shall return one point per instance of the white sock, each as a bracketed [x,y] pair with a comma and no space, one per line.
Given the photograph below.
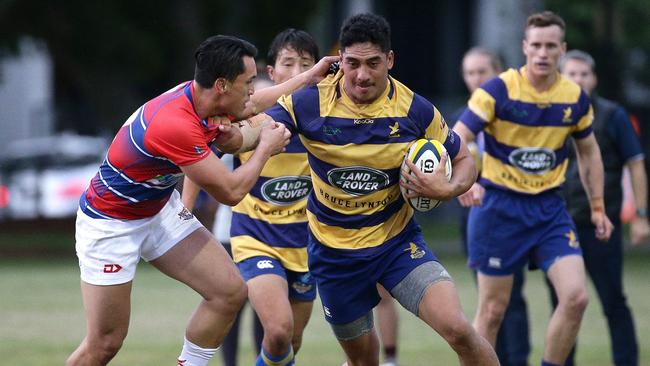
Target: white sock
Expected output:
[193,355]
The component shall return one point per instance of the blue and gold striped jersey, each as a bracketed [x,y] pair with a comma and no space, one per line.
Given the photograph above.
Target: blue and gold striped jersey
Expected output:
[272,219]
[526,130]
[355,153]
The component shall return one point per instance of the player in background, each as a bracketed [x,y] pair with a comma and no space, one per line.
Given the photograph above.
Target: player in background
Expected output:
[357,126]
[620,148]
[526,116]
[513,340]
[269,226]
[131,209]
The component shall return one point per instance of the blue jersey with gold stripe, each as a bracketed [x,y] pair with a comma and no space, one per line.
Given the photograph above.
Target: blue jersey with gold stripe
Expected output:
[526,130]
[272,220]
[355,153]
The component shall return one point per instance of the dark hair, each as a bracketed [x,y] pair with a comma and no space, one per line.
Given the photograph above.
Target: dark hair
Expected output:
[221,57]
[299,40]
[363,28]
[495,60]
[545,19]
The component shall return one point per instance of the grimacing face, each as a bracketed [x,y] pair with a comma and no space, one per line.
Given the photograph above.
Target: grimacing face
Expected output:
[543,47]
[580,72]
[288,64]
[477,69]
[238,93]
[365,71]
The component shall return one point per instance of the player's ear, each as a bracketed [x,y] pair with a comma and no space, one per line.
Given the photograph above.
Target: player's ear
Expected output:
[270,70]
[390,59]
[221,85]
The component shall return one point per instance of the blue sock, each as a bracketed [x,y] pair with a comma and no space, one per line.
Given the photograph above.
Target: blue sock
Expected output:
[264,359]
[545,363]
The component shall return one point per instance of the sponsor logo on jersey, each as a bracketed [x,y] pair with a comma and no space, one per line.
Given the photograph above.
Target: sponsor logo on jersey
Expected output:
[415,252]
[331,131]
[394,130]
[358,180]
[185,214]
[165,180]
[364,121]
[573,239]
[533,160]
[286,190]
[199,150]
[112,268]
[264,264]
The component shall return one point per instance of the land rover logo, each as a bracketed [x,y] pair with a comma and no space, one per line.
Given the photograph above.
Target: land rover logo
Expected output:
[533,160]
[358,180]
[286,190]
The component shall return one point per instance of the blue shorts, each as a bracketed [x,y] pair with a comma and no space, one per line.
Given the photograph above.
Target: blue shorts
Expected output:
[347,284]
[302,286]
[510,229]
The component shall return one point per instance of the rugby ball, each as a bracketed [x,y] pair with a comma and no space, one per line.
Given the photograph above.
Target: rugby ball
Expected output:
[424,154]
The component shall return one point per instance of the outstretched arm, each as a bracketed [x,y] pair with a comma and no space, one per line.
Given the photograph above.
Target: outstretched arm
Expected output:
[265,98]
[590,167]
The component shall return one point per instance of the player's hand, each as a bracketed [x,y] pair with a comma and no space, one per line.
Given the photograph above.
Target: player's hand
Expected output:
[274,137]
[473,197]
[639,230]
[603,226]
[435,185]
[319,71]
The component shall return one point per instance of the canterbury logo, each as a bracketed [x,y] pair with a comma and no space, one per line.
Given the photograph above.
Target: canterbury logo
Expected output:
[112,268]
[567,115]
[181,362]
[264,264]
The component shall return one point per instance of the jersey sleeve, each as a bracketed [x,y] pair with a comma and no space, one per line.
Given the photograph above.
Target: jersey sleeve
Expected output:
[282,112]
[178,141]
[583,128]
[439,130]
[481,107]
[627,142]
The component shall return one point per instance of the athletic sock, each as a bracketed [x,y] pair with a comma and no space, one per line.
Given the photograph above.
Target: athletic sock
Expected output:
[546,363]
[264,359]
[193,355]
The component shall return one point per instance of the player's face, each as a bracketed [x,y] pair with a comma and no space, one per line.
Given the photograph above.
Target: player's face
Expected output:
[288,64]
[238,92]
[580,72]
[477,69]
[543,47]
[365,70]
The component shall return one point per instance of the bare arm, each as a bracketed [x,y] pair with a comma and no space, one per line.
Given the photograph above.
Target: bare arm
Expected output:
[590,167]
[190,192]
[474,196]
[265,98]
[639,228]
[228,187]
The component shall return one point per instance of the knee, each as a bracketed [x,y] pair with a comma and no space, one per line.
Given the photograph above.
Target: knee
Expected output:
[279,334]
[229,298]
[576,303]
[493,312]
[108,347]
[458,334]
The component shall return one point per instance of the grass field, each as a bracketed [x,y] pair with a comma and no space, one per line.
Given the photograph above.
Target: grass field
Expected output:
[41,319]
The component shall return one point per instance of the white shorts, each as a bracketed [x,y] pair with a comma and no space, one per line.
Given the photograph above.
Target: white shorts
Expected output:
[109,250]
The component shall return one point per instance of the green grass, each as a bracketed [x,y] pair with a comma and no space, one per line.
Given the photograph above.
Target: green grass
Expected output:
[41,318]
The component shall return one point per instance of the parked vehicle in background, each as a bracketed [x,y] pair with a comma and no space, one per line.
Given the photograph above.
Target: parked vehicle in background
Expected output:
[43,177]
